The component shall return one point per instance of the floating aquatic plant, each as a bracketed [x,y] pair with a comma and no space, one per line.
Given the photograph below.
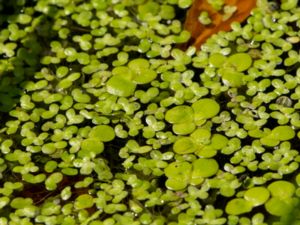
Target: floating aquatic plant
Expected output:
[106,119]
[257,195]
[204,109]
[238,206]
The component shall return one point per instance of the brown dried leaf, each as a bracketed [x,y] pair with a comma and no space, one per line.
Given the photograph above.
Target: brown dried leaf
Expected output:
[201,32]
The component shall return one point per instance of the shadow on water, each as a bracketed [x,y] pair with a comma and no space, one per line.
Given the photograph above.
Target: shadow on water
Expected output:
[19,63]
[9,79]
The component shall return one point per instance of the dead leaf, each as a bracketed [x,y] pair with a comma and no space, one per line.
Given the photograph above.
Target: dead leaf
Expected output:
[199,32]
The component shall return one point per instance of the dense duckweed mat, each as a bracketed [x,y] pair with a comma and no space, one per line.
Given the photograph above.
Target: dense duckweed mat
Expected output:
[105,120]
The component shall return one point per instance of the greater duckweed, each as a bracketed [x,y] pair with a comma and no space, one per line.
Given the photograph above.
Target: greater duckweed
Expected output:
[107,119]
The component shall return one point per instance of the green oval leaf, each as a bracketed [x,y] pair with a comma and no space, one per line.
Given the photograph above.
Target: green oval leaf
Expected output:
[281,189]
[19,202]
[91,147]
[84,201]
[238,206]
[184,145]
[231,77]
[205,167]
[205,108]
[178,174]
[218,141]
[104,133]
[278,207]
[183,128]
[201,136]
[179,114]
[240,61]
[283,133]
[217,60]
[257,195]
[119,86]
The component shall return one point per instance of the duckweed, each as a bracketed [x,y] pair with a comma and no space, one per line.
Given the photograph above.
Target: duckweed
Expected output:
[278,207]
[104,133]
[217,60]
[232,78]
[20,202]
[239,61]
[257,195]
[119,86]
[283,133]
[238,206]
[184,145]
[52,181]
[142,73]
[204,18]
[83,201]
[108,119]
[178,174]
[281,189]
[204,168]
[91,147]
[179,114]
[204,109]
[4,201]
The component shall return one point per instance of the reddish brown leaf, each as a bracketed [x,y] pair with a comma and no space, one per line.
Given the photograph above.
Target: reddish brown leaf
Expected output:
[200,32]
